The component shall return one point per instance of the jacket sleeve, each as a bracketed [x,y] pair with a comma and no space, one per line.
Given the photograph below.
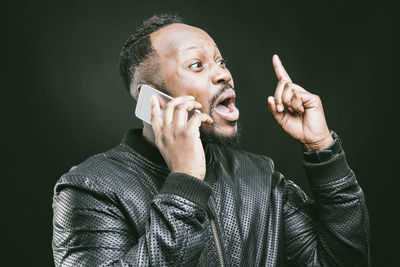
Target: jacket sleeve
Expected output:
[89,229]
[332,229]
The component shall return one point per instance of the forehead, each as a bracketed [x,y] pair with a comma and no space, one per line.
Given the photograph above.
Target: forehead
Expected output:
[177,38]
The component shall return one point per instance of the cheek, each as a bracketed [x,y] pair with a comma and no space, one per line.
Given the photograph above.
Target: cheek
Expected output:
[204,100]
[187,83]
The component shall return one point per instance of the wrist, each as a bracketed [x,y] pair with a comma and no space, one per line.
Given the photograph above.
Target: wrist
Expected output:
[325,154]
[322,144]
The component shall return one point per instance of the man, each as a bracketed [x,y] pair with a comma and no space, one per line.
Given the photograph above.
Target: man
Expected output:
[175,194]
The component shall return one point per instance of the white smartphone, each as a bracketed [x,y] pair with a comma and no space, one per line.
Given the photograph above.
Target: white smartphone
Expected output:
[143,105]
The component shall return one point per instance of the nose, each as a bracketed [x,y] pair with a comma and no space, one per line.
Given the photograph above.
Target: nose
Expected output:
[221,75]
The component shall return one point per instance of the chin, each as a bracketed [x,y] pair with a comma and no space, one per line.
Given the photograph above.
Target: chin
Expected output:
[225,135]
[230,129]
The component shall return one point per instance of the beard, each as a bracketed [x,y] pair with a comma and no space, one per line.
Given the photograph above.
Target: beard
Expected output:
[208,135]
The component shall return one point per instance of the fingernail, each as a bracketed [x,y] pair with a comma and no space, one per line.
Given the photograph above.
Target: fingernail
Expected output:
[280,108]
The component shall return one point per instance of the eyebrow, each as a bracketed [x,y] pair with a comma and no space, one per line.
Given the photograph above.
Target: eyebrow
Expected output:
[194,47]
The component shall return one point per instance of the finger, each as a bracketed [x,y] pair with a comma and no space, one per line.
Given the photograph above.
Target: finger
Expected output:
[287,95]
[156,118]
[308,100]
[278,94]
[280,71]
[273,109]
[272,105]
[170,108]
[181,112]
[197,119]
[297,103]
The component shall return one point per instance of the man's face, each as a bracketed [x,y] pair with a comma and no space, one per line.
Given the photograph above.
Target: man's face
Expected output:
[191,64]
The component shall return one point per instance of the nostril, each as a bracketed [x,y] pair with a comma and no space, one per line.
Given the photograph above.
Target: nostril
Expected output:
[221,81]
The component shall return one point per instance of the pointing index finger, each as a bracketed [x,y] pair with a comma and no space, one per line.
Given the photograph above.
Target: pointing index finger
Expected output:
[280,71]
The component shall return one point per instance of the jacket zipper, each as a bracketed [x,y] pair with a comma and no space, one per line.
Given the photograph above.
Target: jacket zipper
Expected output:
[216,239]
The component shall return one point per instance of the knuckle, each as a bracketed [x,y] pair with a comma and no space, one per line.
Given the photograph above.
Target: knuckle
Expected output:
[316,97]
[180,107]
[184,134]
[206,117]
[174,102]
[284,80]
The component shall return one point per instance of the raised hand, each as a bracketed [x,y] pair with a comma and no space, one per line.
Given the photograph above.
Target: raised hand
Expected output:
[179,139]
[298,112]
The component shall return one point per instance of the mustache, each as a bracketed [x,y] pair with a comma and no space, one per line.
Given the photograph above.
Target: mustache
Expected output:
[220,92]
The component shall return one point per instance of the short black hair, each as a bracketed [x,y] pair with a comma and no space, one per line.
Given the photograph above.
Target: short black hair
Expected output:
[138,46]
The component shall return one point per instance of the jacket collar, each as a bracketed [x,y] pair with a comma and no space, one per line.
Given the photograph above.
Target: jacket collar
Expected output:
[135,140]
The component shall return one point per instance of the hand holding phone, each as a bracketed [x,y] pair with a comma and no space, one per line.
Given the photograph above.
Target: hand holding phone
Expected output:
[177,136]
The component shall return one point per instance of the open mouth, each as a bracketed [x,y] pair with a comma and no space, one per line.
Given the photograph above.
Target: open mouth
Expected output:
[225,106]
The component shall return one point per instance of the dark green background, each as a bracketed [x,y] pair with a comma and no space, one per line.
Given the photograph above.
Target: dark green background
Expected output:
[65,100]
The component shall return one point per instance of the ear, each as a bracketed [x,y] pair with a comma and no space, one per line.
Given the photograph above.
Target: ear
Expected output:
[138,88]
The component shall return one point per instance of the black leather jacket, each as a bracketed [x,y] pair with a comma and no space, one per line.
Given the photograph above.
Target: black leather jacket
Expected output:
[124,208]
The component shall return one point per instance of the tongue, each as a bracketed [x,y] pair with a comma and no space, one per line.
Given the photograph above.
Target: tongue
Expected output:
[222,109]
[230,112]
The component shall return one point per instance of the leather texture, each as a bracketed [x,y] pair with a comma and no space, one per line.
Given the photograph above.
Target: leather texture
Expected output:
[124,208]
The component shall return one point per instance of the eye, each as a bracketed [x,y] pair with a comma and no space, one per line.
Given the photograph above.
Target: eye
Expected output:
[196,65]
[221,62]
